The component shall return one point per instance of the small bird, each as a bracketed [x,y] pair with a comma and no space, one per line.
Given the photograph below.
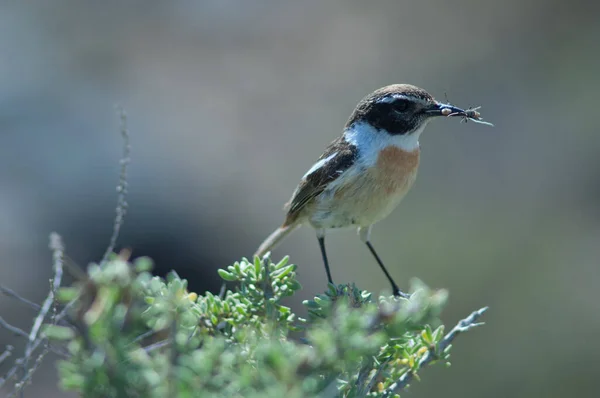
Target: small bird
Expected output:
[364,173]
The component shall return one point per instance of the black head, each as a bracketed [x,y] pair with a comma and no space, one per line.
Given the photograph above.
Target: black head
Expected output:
[399,109]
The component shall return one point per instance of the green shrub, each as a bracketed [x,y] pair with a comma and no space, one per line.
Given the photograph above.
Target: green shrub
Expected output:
[135,335]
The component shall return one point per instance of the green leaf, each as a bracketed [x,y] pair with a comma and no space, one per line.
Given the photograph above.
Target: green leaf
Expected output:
[281,272]
[427,335]
[67,294]
[311,304]
[438,334]
[226,275]
[172,276]
[282,263]
[55,332]
[143,264]
[257,265]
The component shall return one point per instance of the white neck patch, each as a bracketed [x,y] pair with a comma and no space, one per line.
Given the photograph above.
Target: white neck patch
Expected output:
[370,141]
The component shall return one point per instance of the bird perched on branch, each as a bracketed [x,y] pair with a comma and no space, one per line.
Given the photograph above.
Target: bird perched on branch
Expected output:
[364,174]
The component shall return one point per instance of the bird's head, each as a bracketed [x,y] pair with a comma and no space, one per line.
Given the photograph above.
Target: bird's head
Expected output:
[400,109]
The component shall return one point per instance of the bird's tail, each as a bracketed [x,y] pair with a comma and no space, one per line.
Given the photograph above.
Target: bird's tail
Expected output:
[274,239]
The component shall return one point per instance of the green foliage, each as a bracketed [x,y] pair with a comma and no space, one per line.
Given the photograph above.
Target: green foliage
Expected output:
[135,335]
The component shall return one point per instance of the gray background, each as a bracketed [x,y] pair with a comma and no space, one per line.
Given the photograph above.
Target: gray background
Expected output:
[229,104]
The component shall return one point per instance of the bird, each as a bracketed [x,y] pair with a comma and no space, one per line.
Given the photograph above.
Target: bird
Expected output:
[364,174]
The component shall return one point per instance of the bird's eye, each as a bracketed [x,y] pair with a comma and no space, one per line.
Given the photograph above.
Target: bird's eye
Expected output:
[401,105]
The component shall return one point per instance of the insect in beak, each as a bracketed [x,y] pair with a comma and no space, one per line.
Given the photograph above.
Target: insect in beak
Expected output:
[439,109]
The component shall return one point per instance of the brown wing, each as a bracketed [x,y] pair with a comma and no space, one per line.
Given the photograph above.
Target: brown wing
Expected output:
[341,156]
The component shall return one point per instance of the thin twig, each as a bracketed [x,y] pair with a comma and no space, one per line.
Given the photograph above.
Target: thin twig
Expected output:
[65,311]
[57,248]
[268,289]
[11,293]
[361,380]
[121,206]
[19,386]
[222,291]
[34,340]
[157,345]
[462,326]
[174,357]
[11,373]
[121,187]
[7,353]
[375,377]
[15,330]
[21,333]
[20,362]
[58,351]
[144,335]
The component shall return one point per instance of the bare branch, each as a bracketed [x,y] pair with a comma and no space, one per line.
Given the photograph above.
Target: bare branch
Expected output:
[57,248]
[157,345]
[462,326]
[29,374]
[11,293]
[121,187]
[144,335]
[21,361]
[13,329]
[121,206]
[7,353]
[34,340]
[375,377]
[11,373]
[21,333]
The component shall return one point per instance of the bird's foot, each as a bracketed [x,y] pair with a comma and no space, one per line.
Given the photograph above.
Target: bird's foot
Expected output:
[400,293]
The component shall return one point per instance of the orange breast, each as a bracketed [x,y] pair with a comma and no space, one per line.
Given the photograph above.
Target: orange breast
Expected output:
[369,196]
[395,169]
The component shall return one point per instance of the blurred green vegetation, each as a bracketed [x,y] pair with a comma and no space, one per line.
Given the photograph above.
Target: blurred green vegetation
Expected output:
[135,335]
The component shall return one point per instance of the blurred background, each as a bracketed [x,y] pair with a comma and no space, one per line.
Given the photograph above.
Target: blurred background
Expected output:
[230,102]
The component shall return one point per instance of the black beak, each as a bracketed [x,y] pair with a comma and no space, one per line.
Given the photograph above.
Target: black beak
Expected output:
[438,109]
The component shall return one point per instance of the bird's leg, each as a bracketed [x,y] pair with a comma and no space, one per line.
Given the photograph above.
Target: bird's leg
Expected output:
[395,288]
[321,238]
[364,236]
